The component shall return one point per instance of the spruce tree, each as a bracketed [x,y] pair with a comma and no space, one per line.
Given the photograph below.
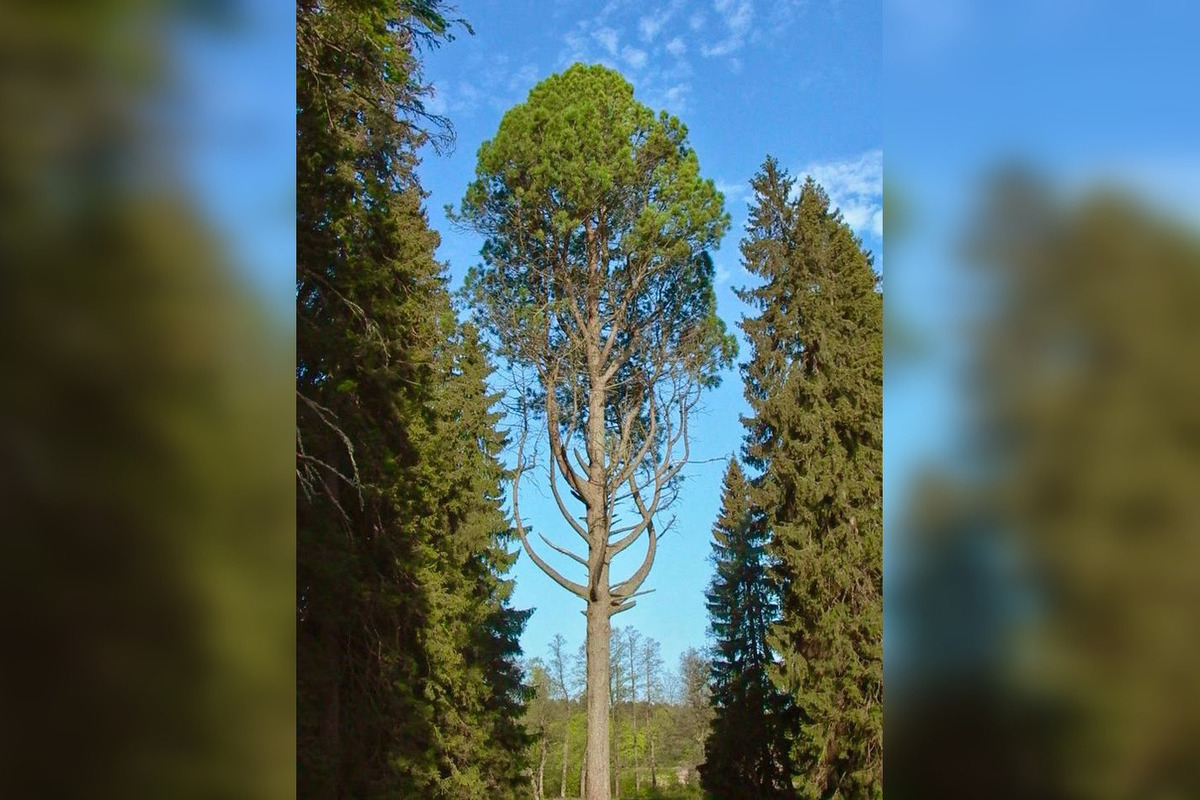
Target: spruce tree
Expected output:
[814,385]
[746,753]
[407,678]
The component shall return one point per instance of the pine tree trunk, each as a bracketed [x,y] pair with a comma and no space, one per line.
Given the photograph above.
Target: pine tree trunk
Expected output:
[599,628]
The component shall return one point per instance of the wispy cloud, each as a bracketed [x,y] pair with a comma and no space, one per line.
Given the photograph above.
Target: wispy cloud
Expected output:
[637,46]
[733,190]
[608,38]
[634,57]
[737,18]
[455,97]
[855,186]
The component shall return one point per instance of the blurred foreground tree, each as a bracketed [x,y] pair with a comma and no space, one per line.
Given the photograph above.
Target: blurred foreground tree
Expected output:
[145,553]
[1088,414]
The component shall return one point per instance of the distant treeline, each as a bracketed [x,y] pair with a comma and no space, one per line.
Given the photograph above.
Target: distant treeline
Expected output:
[659,719]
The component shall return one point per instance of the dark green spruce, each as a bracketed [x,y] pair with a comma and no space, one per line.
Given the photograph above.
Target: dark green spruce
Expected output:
[407,676]
[814,384]
[746,753]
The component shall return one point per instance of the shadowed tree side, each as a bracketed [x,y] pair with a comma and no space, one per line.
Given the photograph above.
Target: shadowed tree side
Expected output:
[596,288]
[407,682]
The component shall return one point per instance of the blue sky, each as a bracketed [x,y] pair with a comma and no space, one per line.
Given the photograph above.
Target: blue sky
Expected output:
[233,90]
[797,80]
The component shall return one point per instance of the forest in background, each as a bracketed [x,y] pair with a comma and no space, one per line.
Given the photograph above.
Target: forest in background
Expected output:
[660,717]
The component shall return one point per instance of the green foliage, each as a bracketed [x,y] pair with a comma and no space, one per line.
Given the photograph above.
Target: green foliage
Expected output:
[746,752]
[590,203]
[407,679]
[814,384]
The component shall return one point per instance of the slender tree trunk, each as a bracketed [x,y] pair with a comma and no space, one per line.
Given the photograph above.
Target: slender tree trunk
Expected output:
[650,722]
[562,787]
[616,751]
[653,763]
[637,778]
[599,628]
[541,773]
[331,720]
[583,773]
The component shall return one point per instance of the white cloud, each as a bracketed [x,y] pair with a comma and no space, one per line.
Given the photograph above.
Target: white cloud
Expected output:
[634,57]
[733,190]
[436,104]
[676,47]
[461,98]
[608,38]
[855,186]
[523,79]
[738,18]
[650,26]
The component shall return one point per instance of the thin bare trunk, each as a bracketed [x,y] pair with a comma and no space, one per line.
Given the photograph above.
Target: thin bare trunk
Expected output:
[562,787]
[583,774]
[616,742]
[653,763]
[637,778]
[650,721]
[331,720]
[541,772]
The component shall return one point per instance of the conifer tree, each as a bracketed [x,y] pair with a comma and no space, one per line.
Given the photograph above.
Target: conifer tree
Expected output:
[407,678]
[746,753]
[597,286]
[814,385]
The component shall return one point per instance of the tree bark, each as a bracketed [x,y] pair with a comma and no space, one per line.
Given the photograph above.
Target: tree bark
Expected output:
[599,628]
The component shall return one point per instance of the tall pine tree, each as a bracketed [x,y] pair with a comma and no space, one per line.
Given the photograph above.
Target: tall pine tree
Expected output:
[814,384]
[407,676]
[746,753]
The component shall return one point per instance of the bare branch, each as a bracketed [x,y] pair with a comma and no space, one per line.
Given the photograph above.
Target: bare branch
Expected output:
[570,586]
[563,550]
